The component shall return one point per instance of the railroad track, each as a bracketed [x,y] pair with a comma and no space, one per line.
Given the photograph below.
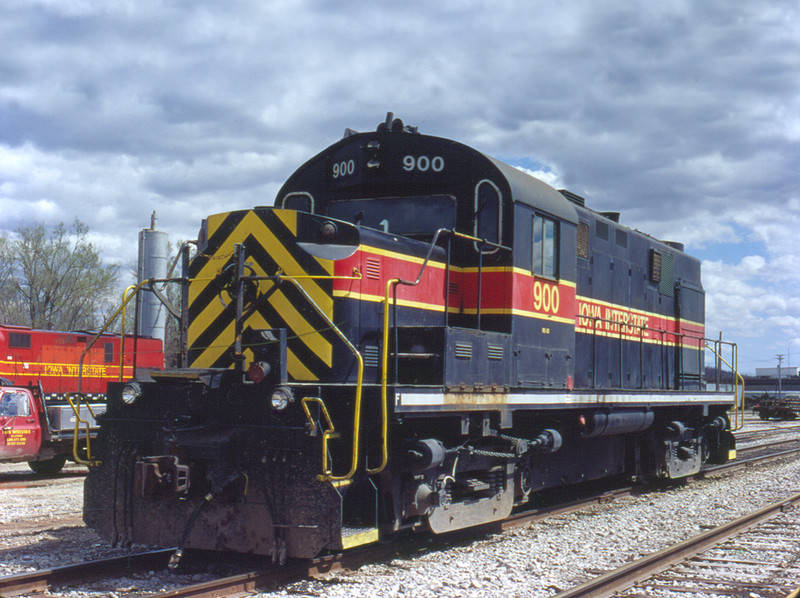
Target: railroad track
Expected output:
[48,580]
[251,580]
[758,453]
[712,562]
[45,579]
[760,429]
[38,523]
[12,480]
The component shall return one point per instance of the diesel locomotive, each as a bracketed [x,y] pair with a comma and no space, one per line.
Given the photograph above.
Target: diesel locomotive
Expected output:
[414,336]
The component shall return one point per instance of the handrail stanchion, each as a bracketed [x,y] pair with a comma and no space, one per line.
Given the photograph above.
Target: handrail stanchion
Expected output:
[359,378]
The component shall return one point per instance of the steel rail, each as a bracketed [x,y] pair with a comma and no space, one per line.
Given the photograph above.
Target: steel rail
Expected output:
[40,581]
[276,576]
[750,461]
[773,444]
[244,583]
[639,570]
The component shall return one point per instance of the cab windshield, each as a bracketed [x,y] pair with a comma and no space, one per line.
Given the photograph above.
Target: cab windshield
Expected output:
[416,217]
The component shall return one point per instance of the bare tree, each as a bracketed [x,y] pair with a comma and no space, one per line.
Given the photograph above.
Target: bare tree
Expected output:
[57,279]
[6,270]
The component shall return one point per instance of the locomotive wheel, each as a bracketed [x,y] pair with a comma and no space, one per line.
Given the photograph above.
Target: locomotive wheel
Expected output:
[48,466]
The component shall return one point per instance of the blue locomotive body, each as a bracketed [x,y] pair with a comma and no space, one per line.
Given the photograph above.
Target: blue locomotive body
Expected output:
[415,335]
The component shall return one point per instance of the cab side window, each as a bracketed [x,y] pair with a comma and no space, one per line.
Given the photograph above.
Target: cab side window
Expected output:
[544,260]
[488,214]
[19,340]
[14,404]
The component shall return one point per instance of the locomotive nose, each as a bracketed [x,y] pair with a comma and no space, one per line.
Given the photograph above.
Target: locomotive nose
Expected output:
[278,244]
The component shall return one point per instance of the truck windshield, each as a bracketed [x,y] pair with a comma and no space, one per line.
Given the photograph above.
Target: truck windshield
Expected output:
[417,217]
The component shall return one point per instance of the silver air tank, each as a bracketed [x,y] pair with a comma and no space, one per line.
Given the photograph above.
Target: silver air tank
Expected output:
[152,264]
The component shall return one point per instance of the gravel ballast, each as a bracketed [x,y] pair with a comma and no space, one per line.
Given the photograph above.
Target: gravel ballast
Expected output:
[40,527]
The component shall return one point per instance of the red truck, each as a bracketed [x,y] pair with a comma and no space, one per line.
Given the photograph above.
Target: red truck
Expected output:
[37,432]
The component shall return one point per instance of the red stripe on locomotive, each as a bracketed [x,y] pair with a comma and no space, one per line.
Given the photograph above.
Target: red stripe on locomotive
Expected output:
[505,290]
[594,317]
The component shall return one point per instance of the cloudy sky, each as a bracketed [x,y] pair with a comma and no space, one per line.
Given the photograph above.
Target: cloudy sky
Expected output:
[684,116]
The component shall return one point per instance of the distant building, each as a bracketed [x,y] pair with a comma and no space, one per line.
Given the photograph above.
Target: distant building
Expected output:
[773,372]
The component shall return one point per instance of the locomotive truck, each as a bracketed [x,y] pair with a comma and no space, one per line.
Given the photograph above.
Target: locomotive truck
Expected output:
[415,336]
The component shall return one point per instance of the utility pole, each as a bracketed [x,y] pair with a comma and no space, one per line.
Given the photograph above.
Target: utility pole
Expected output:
[780,359]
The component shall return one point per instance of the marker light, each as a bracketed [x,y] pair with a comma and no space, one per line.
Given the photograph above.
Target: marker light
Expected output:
[257,371]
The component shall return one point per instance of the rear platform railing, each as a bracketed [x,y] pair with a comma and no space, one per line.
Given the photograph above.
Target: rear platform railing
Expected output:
[737,382]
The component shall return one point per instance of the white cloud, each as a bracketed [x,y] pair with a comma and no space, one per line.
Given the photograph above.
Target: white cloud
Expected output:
[682,116]
[548,176]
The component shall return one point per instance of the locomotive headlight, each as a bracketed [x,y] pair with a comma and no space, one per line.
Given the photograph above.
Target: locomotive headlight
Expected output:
[328,230]
[281,397]
[131,392]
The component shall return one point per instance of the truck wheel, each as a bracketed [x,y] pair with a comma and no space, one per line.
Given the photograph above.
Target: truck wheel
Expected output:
[48,466]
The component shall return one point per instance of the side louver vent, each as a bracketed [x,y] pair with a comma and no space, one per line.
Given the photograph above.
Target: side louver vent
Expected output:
[371,355]
[373,268]
[463,351]
[495,352]
[655,266]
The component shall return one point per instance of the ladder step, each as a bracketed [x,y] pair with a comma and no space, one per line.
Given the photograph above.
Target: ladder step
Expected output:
[358,536]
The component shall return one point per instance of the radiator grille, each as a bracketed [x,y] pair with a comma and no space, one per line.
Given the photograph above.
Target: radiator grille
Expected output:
[583,240]
[666,285]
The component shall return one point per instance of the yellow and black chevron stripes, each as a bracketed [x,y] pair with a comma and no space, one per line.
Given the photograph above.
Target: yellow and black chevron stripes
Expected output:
[270,241]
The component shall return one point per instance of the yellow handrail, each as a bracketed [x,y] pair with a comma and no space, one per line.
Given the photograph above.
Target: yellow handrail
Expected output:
[78,421]
[327,434]
[122,331]
[108,323]
[355,276]
[328,476]
[385,378]
[738,403]
[321,403]
[385,351]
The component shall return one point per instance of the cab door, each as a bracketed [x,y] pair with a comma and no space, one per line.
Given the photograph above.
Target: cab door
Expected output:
[20,433]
